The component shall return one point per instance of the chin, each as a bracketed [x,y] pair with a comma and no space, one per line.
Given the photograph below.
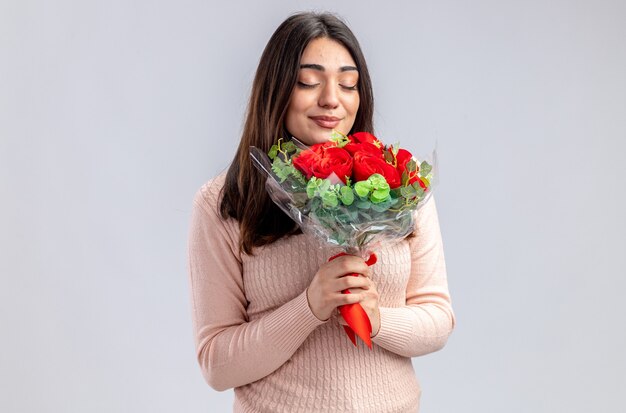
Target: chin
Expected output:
[314,138]
[322,138]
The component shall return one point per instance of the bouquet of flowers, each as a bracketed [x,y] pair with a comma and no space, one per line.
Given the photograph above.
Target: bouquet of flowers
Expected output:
[353,192]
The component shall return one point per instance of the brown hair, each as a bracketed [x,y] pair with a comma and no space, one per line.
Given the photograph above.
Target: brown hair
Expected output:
[244,197]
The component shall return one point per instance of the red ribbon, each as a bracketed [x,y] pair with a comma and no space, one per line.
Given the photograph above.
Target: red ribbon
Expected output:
[354,314]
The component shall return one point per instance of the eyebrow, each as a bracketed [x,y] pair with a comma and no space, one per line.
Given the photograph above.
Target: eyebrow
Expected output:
[322,68]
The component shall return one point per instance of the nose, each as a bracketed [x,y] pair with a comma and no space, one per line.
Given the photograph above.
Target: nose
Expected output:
[328,97]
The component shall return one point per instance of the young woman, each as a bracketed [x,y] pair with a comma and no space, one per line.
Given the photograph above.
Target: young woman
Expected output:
[265,297]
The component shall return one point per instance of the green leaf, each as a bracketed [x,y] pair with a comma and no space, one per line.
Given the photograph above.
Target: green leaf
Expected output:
[273,152]
[339,138]
[336,135]
[298,175]
[425,168]
[330,199]
[411,165]
[347,196]
[379,195]
[395,148]
[419,191]
[278,166]
[289,147]
[407,191]
[324,186]
[380,207]
[312,186]
[388,157]
[405,178]
[377,181]
[362,188]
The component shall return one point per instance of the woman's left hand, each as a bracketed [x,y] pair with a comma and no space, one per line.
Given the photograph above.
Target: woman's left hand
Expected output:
[369,304]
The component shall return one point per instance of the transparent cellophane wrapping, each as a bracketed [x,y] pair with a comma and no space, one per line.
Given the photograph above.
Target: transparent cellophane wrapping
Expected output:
[353,229]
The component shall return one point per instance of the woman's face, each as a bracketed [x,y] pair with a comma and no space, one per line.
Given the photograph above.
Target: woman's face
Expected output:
[326,96]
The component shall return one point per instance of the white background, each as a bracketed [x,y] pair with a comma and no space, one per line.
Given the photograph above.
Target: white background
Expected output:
[112,115]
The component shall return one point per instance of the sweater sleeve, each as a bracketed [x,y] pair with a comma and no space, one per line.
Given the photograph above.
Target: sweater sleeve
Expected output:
[231,350]
[423,325]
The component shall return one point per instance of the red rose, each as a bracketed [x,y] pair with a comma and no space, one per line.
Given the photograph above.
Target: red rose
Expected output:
[322,160]
[335,160]
[364,147]
[304,161]
[366,164]
[365,137]
[402,158]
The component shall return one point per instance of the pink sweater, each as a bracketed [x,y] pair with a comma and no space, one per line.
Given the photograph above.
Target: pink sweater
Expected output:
[255,332]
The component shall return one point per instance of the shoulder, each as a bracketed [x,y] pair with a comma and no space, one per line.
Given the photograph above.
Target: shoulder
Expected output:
[208,195]
[206,206]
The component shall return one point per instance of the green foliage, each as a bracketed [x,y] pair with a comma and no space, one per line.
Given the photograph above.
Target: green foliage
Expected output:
[425,168]
[395,148]
[411,166]
[280,168]
[339,138]
[388,157]
[289,147]
[285,170]
[316,186]
[347,195]
[379,195]
[407,191]
[405,178]
[362,188]
[273,152]
[328,193]
[375,189]
[329,199]
[378,181]
[419,191]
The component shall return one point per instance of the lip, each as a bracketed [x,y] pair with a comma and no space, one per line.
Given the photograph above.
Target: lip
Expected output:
[327,122]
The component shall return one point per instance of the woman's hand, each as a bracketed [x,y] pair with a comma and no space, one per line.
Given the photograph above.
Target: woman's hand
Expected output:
[369,302]
[324,292]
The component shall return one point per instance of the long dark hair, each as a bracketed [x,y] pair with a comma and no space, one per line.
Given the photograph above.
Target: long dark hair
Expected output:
[243,196]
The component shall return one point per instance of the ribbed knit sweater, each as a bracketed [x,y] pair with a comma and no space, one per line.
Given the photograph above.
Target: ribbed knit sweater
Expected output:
[255,332]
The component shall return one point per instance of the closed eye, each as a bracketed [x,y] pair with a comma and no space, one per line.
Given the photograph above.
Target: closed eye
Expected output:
[310,86]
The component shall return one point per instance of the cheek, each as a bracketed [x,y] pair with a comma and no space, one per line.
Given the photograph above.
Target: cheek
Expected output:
[352,107]
[353,104]
[294,108]
[299,103]
[296,112]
